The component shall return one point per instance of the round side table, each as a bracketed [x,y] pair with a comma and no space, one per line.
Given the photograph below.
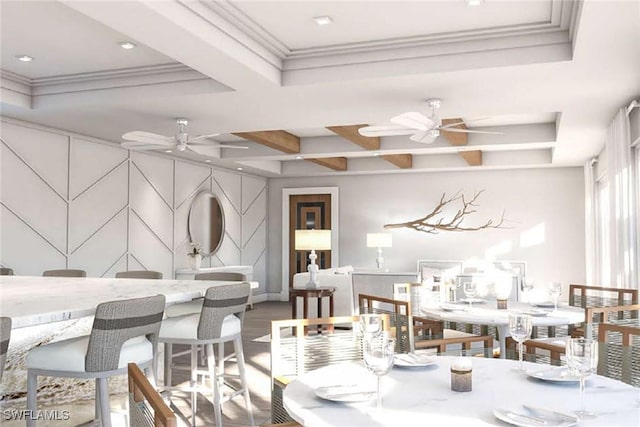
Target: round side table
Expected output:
[306,294]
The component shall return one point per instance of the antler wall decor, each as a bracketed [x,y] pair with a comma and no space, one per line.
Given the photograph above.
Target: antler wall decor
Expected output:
[432,224]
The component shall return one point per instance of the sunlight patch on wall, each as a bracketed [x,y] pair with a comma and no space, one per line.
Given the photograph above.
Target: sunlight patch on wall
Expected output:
[495,251]
[533,236]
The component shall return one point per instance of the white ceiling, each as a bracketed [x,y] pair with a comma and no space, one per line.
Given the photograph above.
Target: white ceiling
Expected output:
[549,75]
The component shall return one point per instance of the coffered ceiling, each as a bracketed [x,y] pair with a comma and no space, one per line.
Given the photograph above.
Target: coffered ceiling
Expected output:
[548,76]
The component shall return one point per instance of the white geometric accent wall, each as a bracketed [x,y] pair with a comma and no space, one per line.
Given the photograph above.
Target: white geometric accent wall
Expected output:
[67,202]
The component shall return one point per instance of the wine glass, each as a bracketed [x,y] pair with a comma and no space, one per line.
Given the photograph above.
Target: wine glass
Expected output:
[582,360]
[520,329]
[370,325]
[378,357]
[555,290]
[527,286]
[470,290]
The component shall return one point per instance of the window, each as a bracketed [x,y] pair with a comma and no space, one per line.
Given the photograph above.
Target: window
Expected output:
[603,254]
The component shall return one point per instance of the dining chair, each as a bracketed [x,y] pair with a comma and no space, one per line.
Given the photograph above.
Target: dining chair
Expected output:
[5,271]
[596,296]
[123,331]
[294,353]
[5,336]
[64,273]
[219,322]
[146,407]
[431,333]
[139,274]
[619,352]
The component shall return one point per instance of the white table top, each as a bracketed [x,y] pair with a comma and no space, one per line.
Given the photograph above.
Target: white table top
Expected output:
[487,314]
[38,300]
[423,396]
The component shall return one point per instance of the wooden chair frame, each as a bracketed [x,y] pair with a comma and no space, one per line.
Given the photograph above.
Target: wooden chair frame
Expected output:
[141,390]
[627,332]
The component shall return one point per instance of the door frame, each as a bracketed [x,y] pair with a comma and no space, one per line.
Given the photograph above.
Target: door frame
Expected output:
[286,192]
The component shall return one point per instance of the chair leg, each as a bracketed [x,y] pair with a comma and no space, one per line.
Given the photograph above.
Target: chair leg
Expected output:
[194,383]
[168,351]
[237,347]
[215,385]
[32,389]
[96,404]
[105,408]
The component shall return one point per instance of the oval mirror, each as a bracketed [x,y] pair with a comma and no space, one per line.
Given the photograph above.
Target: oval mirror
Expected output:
[206,223]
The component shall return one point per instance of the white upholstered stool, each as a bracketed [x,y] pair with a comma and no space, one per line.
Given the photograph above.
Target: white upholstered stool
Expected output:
[123,332]
[220,321]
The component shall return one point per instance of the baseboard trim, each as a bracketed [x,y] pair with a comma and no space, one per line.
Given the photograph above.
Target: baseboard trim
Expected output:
[267,297]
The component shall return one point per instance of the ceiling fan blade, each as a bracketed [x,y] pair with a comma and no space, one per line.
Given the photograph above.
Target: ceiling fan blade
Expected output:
[470,131]
[413,120]
[131,145]
[422,137]
[385,130]
[199,137]
[148,137]
[214,145]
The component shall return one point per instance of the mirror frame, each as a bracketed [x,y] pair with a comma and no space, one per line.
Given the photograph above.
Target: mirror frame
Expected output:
[190,225]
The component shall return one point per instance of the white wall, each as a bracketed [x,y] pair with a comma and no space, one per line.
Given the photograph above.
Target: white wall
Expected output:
[70,202]
[545,208]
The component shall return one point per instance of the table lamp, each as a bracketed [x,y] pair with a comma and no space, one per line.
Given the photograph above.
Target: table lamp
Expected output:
[379,240]
[310,240]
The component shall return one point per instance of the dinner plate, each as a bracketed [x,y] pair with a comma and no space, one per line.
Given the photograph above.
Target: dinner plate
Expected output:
[557,374]
[472,300]
[545,304]
[345,393]
[413,360]
[535,313]
[530,419]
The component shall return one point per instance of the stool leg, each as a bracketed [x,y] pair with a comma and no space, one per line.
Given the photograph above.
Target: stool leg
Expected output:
[237,347]
[96,406]
[105,408]
[168,350]
[220,372]
[194,383]
[32,388]
[211,364]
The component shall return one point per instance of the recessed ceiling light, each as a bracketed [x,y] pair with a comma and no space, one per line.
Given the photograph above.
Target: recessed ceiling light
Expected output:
[376,154]
[474,2]
[25,58]
[323,20]
[239,169]
[298,157]
[127,45]
[207,161]
[167,151]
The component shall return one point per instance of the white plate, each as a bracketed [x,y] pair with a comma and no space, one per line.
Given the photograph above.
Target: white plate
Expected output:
[527,419]
[535,313]
[413,360]
[557,374]
[473,300]
[345,393]
[452,307]
[544,304]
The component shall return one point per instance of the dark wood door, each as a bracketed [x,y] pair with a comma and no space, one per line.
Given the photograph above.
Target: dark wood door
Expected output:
[307,212]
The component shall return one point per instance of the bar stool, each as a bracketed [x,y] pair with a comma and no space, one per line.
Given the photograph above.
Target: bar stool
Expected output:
[123,331]
[195,306]
[64,273]
[5,271]
[5,335]
[220,321]
[139,274]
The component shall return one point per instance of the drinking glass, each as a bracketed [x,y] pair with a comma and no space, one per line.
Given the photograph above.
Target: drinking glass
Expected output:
[370,325]
[582,360]
[520,329]
[378,357]
[527,287]
[470,290]
[555,290]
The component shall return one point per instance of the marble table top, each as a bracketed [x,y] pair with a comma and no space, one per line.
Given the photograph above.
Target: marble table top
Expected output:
[38,300]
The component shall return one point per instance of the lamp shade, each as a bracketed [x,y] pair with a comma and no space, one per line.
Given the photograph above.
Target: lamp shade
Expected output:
[379,240]
[307,240]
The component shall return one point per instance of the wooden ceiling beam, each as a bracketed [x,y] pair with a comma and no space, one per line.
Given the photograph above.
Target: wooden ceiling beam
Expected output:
[403,161]
[350,133]
[335,163]
[455,138]
[277,139]
[473,158]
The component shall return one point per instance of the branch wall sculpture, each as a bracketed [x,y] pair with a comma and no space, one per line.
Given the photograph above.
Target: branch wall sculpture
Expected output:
[430,223]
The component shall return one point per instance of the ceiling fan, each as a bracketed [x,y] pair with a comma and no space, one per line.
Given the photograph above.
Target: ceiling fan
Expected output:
[140,140]
[422,128]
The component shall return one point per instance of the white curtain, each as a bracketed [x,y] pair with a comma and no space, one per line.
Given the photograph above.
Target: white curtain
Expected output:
[622,216]
[590,222]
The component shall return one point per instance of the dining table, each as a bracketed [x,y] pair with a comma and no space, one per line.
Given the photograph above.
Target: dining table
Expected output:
[484,312]
[423,395]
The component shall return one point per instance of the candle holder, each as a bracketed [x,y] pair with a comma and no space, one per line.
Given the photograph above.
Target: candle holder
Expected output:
[461,374]
[502,304]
